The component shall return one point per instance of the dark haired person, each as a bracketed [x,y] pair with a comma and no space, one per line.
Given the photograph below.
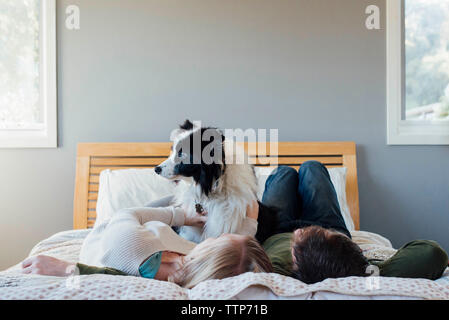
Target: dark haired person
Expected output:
[312,243]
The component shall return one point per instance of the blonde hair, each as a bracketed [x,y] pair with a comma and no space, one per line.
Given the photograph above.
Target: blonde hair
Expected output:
[225,258]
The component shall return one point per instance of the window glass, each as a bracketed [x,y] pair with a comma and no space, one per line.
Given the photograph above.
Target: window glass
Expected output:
[426,59]
[20,105]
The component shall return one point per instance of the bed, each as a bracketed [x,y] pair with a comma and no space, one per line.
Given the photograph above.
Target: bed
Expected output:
[94,158]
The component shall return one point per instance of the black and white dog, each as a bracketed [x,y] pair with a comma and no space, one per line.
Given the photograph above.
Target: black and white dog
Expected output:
[216,183]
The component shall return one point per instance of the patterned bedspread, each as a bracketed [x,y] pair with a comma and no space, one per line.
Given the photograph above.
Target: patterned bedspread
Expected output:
[66,245]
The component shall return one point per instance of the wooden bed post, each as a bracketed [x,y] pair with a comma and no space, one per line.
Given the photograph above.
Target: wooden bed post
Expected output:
[352,189]
[81,191]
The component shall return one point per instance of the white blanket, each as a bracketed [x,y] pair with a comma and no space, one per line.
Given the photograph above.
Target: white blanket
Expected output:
[66,245]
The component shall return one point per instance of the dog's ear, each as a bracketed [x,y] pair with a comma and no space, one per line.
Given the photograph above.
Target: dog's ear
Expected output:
[187,125]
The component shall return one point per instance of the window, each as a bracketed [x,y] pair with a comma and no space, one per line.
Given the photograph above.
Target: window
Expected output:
[28,74]
[418,71]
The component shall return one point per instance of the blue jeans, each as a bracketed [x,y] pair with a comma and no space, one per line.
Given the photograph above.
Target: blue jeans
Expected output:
[304,198]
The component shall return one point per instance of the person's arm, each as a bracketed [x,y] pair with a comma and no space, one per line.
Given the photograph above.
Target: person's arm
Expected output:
[163,202]
[169,215]
[249,225]
[160,210]
[417,259]
[49,266]
[172,216]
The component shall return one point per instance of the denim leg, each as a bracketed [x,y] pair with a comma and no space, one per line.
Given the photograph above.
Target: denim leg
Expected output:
[281,194]
[318,198]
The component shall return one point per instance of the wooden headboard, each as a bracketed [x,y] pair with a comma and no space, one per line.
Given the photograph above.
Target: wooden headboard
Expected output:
[92,158]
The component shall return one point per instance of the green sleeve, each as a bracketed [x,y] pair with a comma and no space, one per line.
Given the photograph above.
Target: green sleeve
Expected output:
[85,269]
[417,259]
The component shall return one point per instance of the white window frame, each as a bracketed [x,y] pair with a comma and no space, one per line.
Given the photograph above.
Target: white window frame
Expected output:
[44,136]
[399,131]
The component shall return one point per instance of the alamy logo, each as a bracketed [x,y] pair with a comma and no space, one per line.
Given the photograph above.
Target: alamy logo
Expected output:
[212,141]
[73,281]
[372,282]
[373,20]
[72,21]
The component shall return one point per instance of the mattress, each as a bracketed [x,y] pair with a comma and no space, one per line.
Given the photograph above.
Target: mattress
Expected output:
[66,245]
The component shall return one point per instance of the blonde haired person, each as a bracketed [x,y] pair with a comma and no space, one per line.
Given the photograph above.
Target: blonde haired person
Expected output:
[141,242]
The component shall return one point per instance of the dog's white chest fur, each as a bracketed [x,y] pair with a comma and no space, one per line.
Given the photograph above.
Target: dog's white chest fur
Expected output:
[225,205]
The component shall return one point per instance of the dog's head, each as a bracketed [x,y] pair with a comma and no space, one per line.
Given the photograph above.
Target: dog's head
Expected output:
[197,153]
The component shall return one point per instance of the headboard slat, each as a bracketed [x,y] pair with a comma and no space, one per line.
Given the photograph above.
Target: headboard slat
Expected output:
[115,161]
[92,158]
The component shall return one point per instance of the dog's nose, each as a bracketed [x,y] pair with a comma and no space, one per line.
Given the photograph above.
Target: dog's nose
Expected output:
[158,170]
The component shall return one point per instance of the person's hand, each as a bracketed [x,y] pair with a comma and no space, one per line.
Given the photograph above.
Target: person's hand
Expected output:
[198,220]
[47,266]
[252,210]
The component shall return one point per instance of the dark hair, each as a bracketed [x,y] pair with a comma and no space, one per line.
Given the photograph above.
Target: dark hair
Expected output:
[320,254]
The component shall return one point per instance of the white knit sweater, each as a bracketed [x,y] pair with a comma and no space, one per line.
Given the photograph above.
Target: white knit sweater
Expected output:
[126,240]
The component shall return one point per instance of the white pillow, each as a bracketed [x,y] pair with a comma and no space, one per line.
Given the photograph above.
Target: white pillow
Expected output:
[129,188]
[338,178]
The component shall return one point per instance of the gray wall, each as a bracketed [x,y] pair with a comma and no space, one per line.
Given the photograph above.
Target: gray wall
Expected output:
[308,67]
